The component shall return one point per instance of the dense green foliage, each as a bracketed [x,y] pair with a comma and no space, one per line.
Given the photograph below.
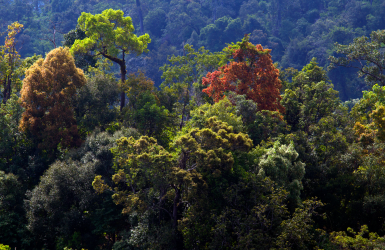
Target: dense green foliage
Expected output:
[216,142]
[296,30]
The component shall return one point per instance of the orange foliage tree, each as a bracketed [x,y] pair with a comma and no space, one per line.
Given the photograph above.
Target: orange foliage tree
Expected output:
[46,96]
[251,72]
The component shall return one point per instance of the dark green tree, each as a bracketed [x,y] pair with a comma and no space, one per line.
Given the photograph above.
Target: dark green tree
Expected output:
[94,104]
[364,54]
[308,97]
[12,214]
[181,89]
[165,184]
[58,208]
[82,60]
[155,21]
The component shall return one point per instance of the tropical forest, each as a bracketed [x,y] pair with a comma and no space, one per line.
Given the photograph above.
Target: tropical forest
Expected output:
[192,124]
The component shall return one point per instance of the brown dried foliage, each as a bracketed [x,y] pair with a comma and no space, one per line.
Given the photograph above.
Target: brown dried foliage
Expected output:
[46,96]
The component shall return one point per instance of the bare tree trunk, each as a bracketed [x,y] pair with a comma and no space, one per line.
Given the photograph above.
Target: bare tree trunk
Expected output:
[9,88]
[184,108]
[215,4]
[279,19]
[140,16]
[123,73]
[37,6]
[175,209]
[5,90]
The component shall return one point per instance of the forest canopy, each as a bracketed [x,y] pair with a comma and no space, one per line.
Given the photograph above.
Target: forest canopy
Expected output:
[170,124]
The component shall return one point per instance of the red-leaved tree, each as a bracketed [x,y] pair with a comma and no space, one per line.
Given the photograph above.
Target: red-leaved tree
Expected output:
[251,73]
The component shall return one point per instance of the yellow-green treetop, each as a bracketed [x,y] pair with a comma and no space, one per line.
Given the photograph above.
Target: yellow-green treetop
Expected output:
[9,61]
[159,179]
[46,96]
[110,35]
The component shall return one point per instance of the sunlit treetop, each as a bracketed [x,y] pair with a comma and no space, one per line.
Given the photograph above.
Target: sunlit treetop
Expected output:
[13,30]
[251,72]
[109,33]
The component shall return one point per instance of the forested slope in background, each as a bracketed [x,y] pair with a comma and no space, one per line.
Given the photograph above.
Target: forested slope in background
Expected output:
[296,30]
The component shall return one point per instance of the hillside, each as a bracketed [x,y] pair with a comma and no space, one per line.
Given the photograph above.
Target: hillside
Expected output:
[186,124]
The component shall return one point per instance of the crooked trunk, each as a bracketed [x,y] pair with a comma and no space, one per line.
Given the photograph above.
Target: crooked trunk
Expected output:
[123,72]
